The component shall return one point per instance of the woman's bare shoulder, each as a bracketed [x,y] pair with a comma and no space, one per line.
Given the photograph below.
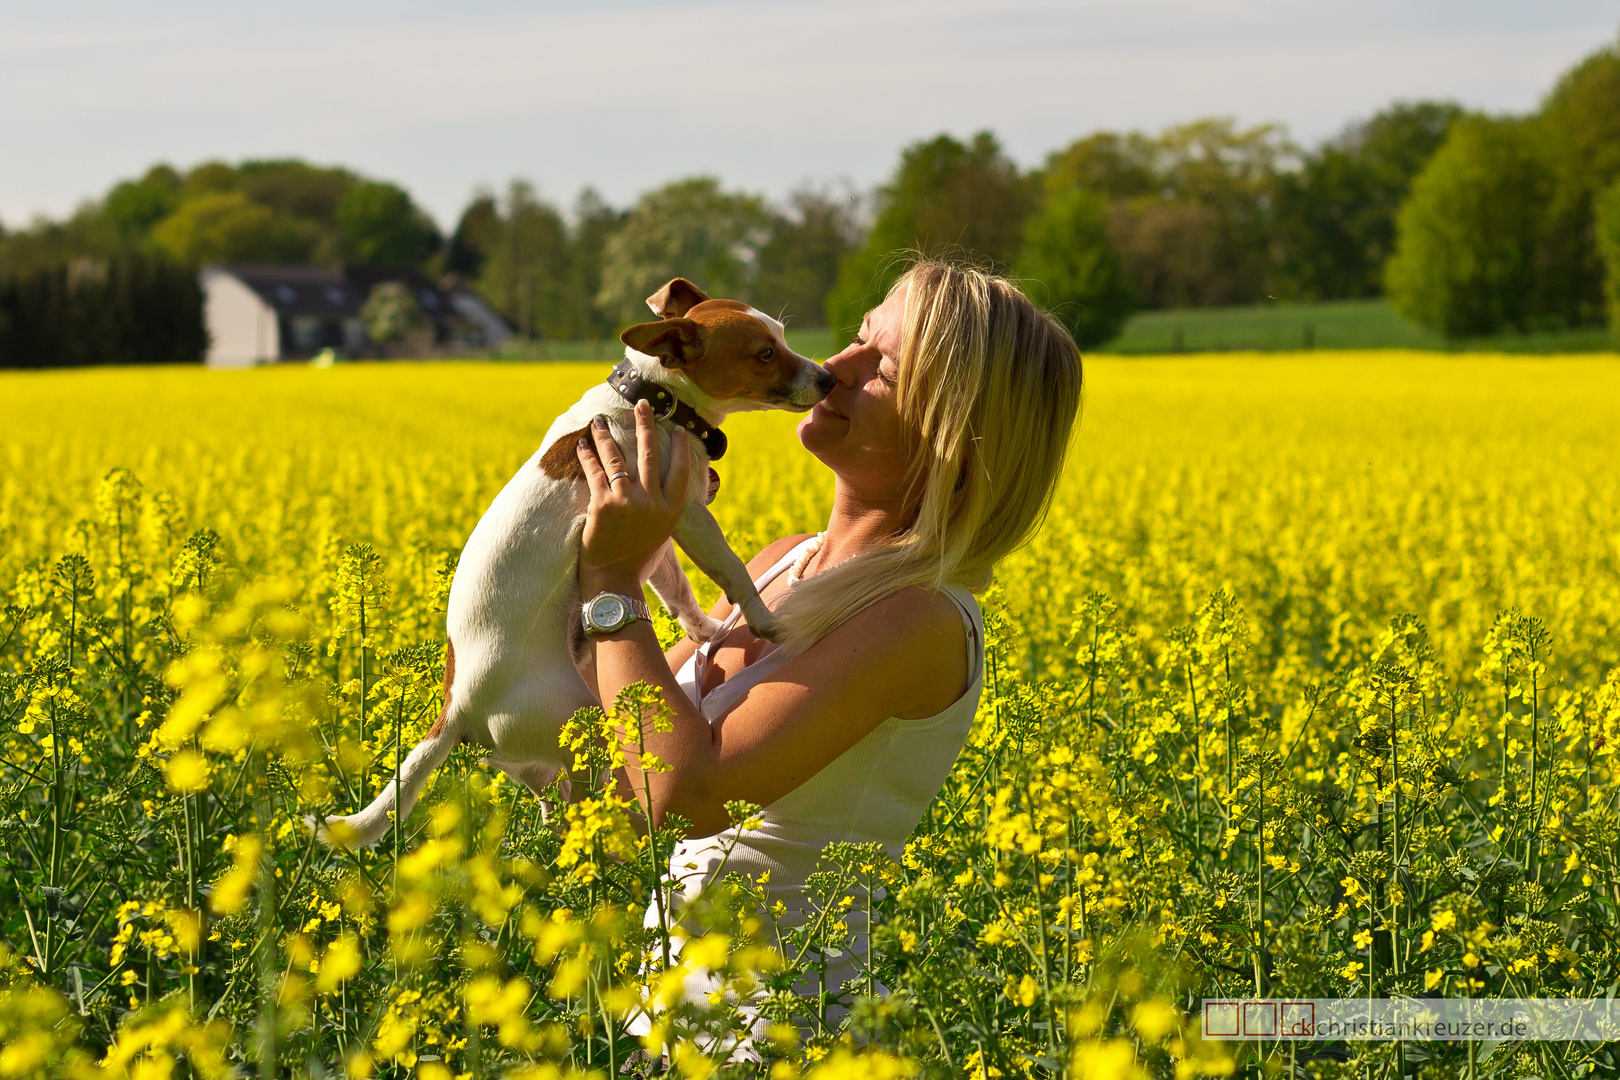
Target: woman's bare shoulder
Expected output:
[916,637]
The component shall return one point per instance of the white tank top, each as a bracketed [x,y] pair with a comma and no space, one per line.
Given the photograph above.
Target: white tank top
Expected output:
[876,791]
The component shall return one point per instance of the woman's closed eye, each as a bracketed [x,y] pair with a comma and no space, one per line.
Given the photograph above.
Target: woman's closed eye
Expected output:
[892,380]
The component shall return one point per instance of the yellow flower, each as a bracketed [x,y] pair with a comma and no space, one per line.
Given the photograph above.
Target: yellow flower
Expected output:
[569,977]
[340,963]
[186,927]
[187,771]
[1113,1059]
[1154,1018]
[871,1065]
[1023,991]
[230,892]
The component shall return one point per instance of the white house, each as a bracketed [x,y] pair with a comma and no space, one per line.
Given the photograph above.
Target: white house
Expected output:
[259,314]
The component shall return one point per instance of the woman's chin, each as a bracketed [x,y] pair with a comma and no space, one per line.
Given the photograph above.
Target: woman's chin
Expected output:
[816,434]
[812,427]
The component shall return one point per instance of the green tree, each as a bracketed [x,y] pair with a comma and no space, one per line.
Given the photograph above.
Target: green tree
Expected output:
[1069,265]
[1578,133]
[1192,208]
[133,207]
[946,198]
[1231,174]
[378,223]
[304,199]
[475,237]
[1118,166]
[1468,237]
[48,245]
[292,188]
[594,223]
[1608,245]
[798,265]
[1335,217]
[527,270]
[1173,253]
[227,226]
[690,228]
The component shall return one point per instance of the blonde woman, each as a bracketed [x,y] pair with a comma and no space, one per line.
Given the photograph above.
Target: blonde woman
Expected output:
[946,433]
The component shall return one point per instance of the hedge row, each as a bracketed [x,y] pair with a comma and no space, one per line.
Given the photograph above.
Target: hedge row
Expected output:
[134,310]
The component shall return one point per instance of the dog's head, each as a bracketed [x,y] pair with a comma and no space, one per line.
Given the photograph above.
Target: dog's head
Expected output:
[736,356]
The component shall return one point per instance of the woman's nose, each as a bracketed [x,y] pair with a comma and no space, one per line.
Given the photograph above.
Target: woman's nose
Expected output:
[842,367]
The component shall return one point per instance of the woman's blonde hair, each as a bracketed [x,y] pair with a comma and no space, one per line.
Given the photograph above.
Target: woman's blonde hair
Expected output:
[990,386]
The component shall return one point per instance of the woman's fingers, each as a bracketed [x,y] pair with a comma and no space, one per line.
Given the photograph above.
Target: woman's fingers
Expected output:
[680,467]
[647,446]
[612,459]
[595,477]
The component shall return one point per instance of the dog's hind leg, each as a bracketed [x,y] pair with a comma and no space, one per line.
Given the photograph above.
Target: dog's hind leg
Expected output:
[669,581]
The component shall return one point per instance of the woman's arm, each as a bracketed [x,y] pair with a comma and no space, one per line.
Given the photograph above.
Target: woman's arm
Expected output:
[903,656]
[893,659]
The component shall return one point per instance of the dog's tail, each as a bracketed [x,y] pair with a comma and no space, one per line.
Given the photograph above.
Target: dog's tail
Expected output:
[370,825]
[398,796]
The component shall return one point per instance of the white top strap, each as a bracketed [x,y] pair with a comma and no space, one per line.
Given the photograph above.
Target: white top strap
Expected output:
[700,658]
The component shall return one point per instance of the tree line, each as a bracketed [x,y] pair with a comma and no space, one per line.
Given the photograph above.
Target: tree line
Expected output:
[1471,224]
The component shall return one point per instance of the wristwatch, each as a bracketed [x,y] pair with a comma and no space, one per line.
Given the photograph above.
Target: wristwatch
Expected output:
[607,611]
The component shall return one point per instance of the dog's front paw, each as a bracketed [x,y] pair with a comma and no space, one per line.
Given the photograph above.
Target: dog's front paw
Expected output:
[762,624]
[701,628]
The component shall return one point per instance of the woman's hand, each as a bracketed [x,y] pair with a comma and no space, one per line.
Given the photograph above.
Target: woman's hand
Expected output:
[632,514]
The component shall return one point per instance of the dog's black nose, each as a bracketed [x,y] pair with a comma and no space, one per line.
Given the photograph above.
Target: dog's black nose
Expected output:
[825,381]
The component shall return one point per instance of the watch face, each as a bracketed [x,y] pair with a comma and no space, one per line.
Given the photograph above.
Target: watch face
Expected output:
[607,611]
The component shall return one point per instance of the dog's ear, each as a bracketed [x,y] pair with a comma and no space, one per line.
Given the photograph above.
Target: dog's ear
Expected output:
[673,341]
[674,300]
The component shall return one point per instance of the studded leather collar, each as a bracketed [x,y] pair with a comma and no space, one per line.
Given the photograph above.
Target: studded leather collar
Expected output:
[666,406]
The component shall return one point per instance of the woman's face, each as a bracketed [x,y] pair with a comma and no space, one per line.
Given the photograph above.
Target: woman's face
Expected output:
[857,430]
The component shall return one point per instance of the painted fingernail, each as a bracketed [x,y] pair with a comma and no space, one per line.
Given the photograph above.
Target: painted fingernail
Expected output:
[598,423]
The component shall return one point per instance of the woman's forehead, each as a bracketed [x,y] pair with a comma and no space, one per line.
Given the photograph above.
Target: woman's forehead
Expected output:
[890,310]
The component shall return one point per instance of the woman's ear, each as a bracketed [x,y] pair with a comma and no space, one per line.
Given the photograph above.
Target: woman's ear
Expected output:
[673,341]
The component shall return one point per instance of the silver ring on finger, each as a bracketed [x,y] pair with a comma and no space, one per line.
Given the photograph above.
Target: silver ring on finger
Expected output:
[620,475]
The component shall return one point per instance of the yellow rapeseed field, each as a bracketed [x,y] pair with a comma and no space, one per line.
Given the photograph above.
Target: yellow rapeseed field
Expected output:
[1309,686]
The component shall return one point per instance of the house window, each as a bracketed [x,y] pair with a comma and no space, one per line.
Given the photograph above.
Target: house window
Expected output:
[335,295]
[354,334]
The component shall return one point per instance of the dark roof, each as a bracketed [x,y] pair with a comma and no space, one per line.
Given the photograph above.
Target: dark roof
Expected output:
[333,291]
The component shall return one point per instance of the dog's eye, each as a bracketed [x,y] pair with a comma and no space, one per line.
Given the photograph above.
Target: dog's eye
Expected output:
[766,355]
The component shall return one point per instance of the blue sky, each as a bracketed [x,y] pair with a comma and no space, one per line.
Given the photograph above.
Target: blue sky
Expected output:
[766,95]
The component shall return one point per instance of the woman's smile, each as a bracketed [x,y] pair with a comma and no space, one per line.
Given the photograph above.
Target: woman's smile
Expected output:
[823,407]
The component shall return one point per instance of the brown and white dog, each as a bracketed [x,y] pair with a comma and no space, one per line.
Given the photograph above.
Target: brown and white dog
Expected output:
[509,681]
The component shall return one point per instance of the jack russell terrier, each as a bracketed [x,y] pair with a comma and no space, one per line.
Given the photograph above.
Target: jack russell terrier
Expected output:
[514,612]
